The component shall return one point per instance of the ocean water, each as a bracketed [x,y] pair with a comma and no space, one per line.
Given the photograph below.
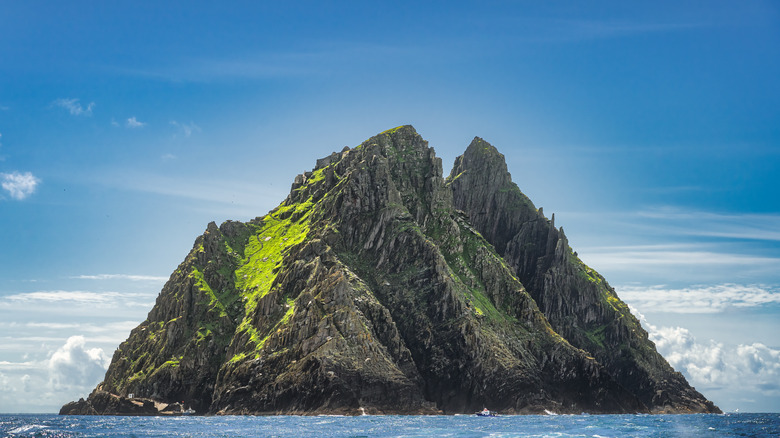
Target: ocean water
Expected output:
[727,425]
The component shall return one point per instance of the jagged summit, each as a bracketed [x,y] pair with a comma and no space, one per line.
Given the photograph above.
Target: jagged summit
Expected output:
[374,286]
[577,301]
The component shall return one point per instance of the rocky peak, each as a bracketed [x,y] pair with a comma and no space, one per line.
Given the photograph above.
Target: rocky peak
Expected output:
[483,188]
[485,161]
[366,289]
[577,301]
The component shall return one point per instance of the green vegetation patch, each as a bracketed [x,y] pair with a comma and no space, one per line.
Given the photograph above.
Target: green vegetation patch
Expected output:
[257,343]
[264,252]
[462,265]
[391,131]
[217,301]
[596,335]
[271,239]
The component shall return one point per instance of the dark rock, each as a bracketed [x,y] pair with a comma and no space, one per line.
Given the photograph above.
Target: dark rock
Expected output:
[368,289]
[577,301]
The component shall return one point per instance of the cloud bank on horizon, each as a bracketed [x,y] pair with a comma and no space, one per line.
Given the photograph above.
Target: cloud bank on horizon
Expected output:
[712,366]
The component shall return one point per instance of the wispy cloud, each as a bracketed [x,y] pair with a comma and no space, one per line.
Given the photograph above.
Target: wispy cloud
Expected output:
[675,222]
[121,326]
[594,29]
[680,245]
[129,277]
[236,197]
[26,365]
[132,122]
[186,128]
[84,298]
[320,57]
[712,224]
[19,185]
[670,255]
[524,29]
[74,107]
[754,367]
[701,299]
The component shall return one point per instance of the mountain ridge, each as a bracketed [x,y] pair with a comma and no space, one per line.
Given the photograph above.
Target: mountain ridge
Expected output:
[369,290]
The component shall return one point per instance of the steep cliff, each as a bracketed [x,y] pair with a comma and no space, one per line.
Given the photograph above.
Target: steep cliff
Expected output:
[365,290]
[577,301]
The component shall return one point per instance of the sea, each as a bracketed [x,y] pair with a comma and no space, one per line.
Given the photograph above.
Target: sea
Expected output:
[726,425]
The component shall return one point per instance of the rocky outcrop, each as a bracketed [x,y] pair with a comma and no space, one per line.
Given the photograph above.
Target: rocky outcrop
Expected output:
[576,300]
[366,290]
[104,403]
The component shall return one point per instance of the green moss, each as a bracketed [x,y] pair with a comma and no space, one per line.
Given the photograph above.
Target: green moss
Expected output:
[237,358]
[207,331]
[265,250]
[317,175]
[256,342]
[393,130]
[140,375]
[172,363]
[289,313]
[596,335]
[269,240]
[218,301]
[452,179]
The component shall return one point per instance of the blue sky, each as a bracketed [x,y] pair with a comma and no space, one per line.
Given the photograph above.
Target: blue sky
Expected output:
[651,131]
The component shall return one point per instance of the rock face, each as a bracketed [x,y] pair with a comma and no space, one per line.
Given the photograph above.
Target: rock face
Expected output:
[370,290]
[575,299]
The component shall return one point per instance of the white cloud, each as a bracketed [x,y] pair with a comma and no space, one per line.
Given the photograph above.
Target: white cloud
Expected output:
[110,327]
[5,384]
[132,122]
[84,298]
[689,263]
[66,371]
[698,299]
[27,365]
[742,368]
[186,128]
[121,277]
[61,295]
[710,224]
[672,255]
[74,107]
[26,386]
[19,185]
[73,365]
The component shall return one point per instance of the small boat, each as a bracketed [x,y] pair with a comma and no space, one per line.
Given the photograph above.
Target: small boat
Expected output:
[486,413]
[188,411]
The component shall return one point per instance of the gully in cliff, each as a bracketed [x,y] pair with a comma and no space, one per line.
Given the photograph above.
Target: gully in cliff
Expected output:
[379,286]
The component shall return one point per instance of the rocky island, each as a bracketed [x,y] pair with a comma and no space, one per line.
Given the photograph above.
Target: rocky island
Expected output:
[379,286]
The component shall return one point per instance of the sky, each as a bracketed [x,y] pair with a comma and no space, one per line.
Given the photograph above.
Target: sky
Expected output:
[651,130]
